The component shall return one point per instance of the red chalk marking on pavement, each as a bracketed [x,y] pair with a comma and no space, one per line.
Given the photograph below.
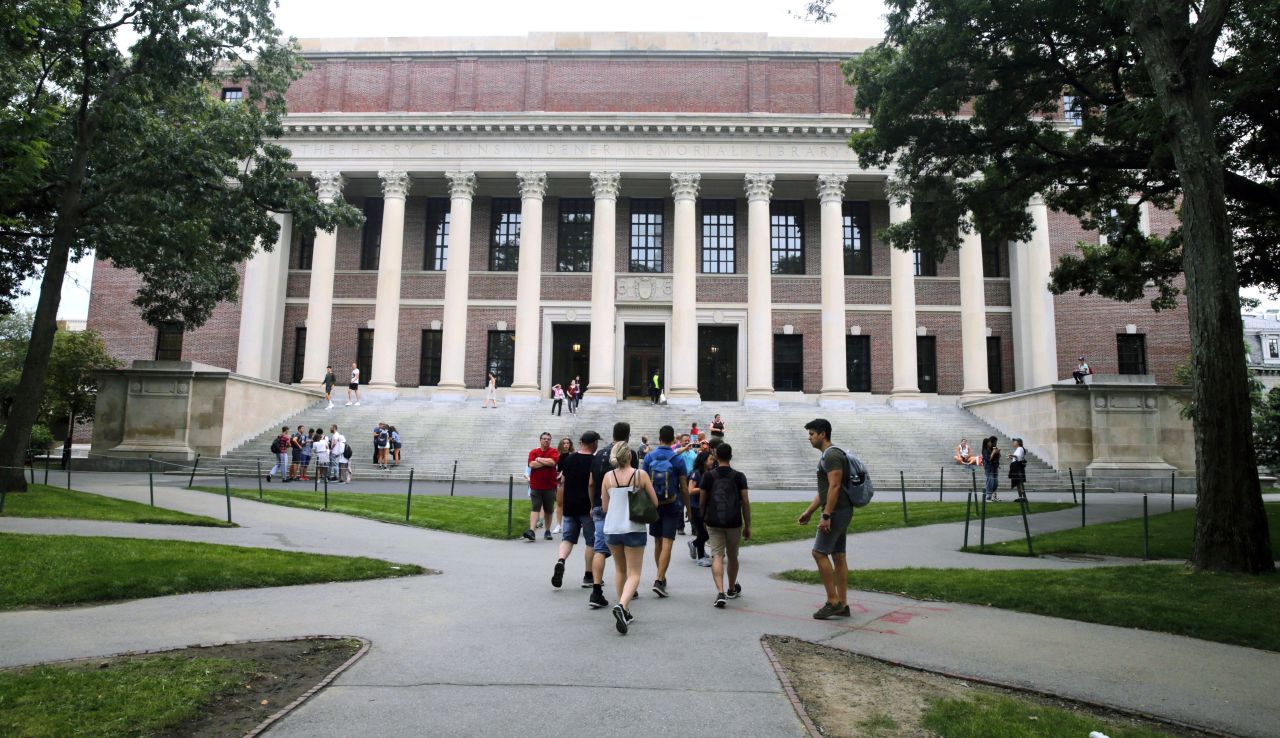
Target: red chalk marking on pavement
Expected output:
[920,606]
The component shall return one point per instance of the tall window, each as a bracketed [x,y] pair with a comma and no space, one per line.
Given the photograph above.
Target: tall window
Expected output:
[364,354]
[1131,350]
[504,235]
[573,243]
[992,258]
[856,230]
[717,237]
[429,361]
[786,236]
[169,340]
[925,265]
[371,235]
[299,352]
[788,363]
[646,236]
[306,249]
[857,353]
[436,249]
[232,94]
[501,357]
[995,371]
[1071,111]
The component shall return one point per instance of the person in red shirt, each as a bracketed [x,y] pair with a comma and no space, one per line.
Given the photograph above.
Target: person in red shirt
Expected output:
[543,478]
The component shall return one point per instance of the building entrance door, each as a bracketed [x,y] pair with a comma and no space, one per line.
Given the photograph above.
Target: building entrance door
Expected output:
[570,354]
[643,355]
[718,363]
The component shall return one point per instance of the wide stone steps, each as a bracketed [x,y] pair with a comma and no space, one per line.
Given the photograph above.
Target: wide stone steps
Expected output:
[770,446]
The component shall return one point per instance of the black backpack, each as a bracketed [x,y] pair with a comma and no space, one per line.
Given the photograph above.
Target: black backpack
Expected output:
[346,451]
[275,445]
[724,500]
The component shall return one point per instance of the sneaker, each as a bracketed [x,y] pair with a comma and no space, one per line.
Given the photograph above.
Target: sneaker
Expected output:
[630,618]
[268,477]
[735,591]
[720,601]
[357,403]
[704,561]
[586,580]
[842,612]
[825,612]
[329,406]
[620,619]
[558,577]
[287,479]
[348,403]
[555,529]
[693,551]
[597,600]
[546,536]
[660,588]
[528,534]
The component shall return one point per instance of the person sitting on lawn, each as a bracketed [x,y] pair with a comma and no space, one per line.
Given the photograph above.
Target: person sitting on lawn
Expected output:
[964,454]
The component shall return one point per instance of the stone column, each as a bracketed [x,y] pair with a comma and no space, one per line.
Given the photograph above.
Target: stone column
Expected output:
[524,385]
[1041,326]
[320,300]
[1020,315]
[262,307]
[973,316]
[835,376]
[604,237]
[902,297]
[682,387]
[386,311]
[457,277]
[759,294]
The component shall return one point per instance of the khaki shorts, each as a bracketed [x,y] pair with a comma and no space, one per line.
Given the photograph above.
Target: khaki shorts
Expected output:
[723,540]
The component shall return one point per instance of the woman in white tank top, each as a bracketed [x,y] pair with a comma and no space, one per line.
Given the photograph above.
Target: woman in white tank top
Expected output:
[625,537]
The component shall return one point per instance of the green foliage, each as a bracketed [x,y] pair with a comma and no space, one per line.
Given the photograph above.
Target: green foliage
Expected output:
[70,385]
[44,501]
[984,715]
[41,436]
[15,334]
[1266,430]
[51,571]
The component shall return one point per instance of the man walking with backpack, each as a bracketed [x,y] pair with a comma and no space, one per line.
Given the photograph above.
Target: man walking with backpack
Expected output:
[280,447]
[837,512]
[671,483]
[726,511]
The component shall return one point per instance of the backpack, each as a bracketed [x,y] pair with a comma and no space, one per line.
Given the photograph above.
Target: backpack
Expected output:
[724,501]
[660,470]
[275,445]
[856,485]
[346,451]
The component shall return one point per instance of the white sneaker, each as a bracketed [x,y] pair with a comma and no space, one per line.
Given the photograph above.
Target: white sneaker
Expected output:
[555,530]
[330,407]
[357,402]
[348,403]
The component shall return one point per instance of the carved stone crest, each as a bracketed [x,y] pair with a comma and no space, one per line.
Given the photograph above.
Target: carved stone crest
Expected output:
[644,289]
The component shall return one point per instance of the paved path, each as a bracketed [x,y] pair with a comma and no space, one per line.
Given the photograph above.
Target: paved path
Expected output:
[489,647]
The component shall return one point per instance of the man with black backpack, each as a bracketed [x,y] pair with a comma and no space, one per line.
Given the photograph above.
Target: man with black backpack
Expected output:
[837,513]
[280,449]
[671,483]
[726,511]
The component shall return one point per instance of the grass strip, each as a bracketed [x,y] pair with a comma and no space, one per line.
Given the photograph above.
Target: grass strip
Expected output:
[45,571]
[1170,537]
[1227,608]
[131,698]
[486,517]
[45,501]
[998,716]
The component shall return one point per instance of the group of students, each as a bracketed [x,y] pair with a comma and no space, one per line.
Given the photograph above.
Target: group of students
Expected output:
[989,459]
[294,454]
[573,393]
[683,483]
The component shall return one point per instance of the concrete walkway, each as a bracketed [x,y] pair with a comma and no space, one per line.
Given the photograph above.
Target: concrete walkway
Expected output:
[488,646]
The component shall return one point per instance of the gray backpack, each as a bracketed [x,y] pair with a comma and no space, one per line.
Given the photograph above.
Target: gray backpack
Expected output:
[856,486]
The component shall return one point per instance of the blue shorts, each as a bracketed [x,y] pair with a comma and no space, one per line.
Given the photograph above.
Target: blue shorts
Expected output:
[630,540]
[670,518]
[574,523]
[601,545]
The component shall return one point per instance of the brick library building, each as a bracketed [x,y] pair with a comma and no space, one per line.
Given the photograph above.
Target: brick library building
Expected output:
[608,207]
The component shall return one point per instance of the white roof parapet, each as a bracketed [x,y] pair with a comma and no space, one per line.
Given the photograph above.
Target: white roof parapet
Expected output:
[592,42]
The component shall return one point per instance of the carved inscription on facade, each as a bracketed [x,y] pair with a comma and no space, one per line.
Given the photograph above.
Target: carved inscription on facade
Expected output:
[644,289]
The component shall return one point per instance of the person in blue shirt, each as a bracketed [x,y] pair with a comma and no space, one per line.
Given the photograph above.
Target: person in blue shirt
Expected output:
[670,479]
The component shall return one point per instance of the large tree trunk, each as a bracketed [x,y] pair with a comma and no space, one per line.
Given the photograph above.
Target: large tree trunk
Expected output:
[1231,525]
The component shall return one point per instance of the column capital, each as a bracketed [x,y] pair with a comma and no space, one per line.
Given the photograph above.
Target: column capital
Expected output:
[395,183]
[831,187]
[532,185]
[461,184]
[759,187]
[605,185]
[684,185]
[328,184]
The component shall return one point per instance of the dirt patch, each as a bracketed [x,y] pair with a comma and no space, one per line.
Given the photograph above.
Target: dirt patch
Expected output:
[853,696]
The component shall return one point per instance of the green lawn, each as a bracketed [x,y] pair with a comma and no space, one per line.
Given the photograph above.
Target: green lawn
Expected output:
[1170,537]
[1229,608]
[486,517]
[998,716]
[46,571]
[44,501]
[145,697]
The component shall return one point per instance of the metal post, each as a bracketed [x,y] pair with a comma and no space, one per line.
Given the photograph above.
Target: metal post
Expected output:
[902,483]
[151,482]
[1083,500]
[1173,486]
[982,527]
[315,478]
[194,466]
[940,469]
[1074,501]
[511,490]
[2,496]
[259,462]
[453,478]
[46,469]
[408,500]
[226,485]
[31,466]
[968,497]
[68,475]
[1146,531]
[1026,527]
[326,491]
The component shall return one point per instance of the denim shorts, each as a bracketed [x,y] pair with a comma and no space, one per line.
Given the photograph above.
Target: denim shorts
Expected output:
[601,545]
[833,542]
[630,540]
[574,523]
[670,517]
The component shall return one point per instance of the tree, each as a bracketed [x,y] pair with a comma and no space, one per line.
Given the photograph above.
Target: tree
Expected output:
[71,389]
[131,153]
[1266,429]
[1177,106]
[15,334]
